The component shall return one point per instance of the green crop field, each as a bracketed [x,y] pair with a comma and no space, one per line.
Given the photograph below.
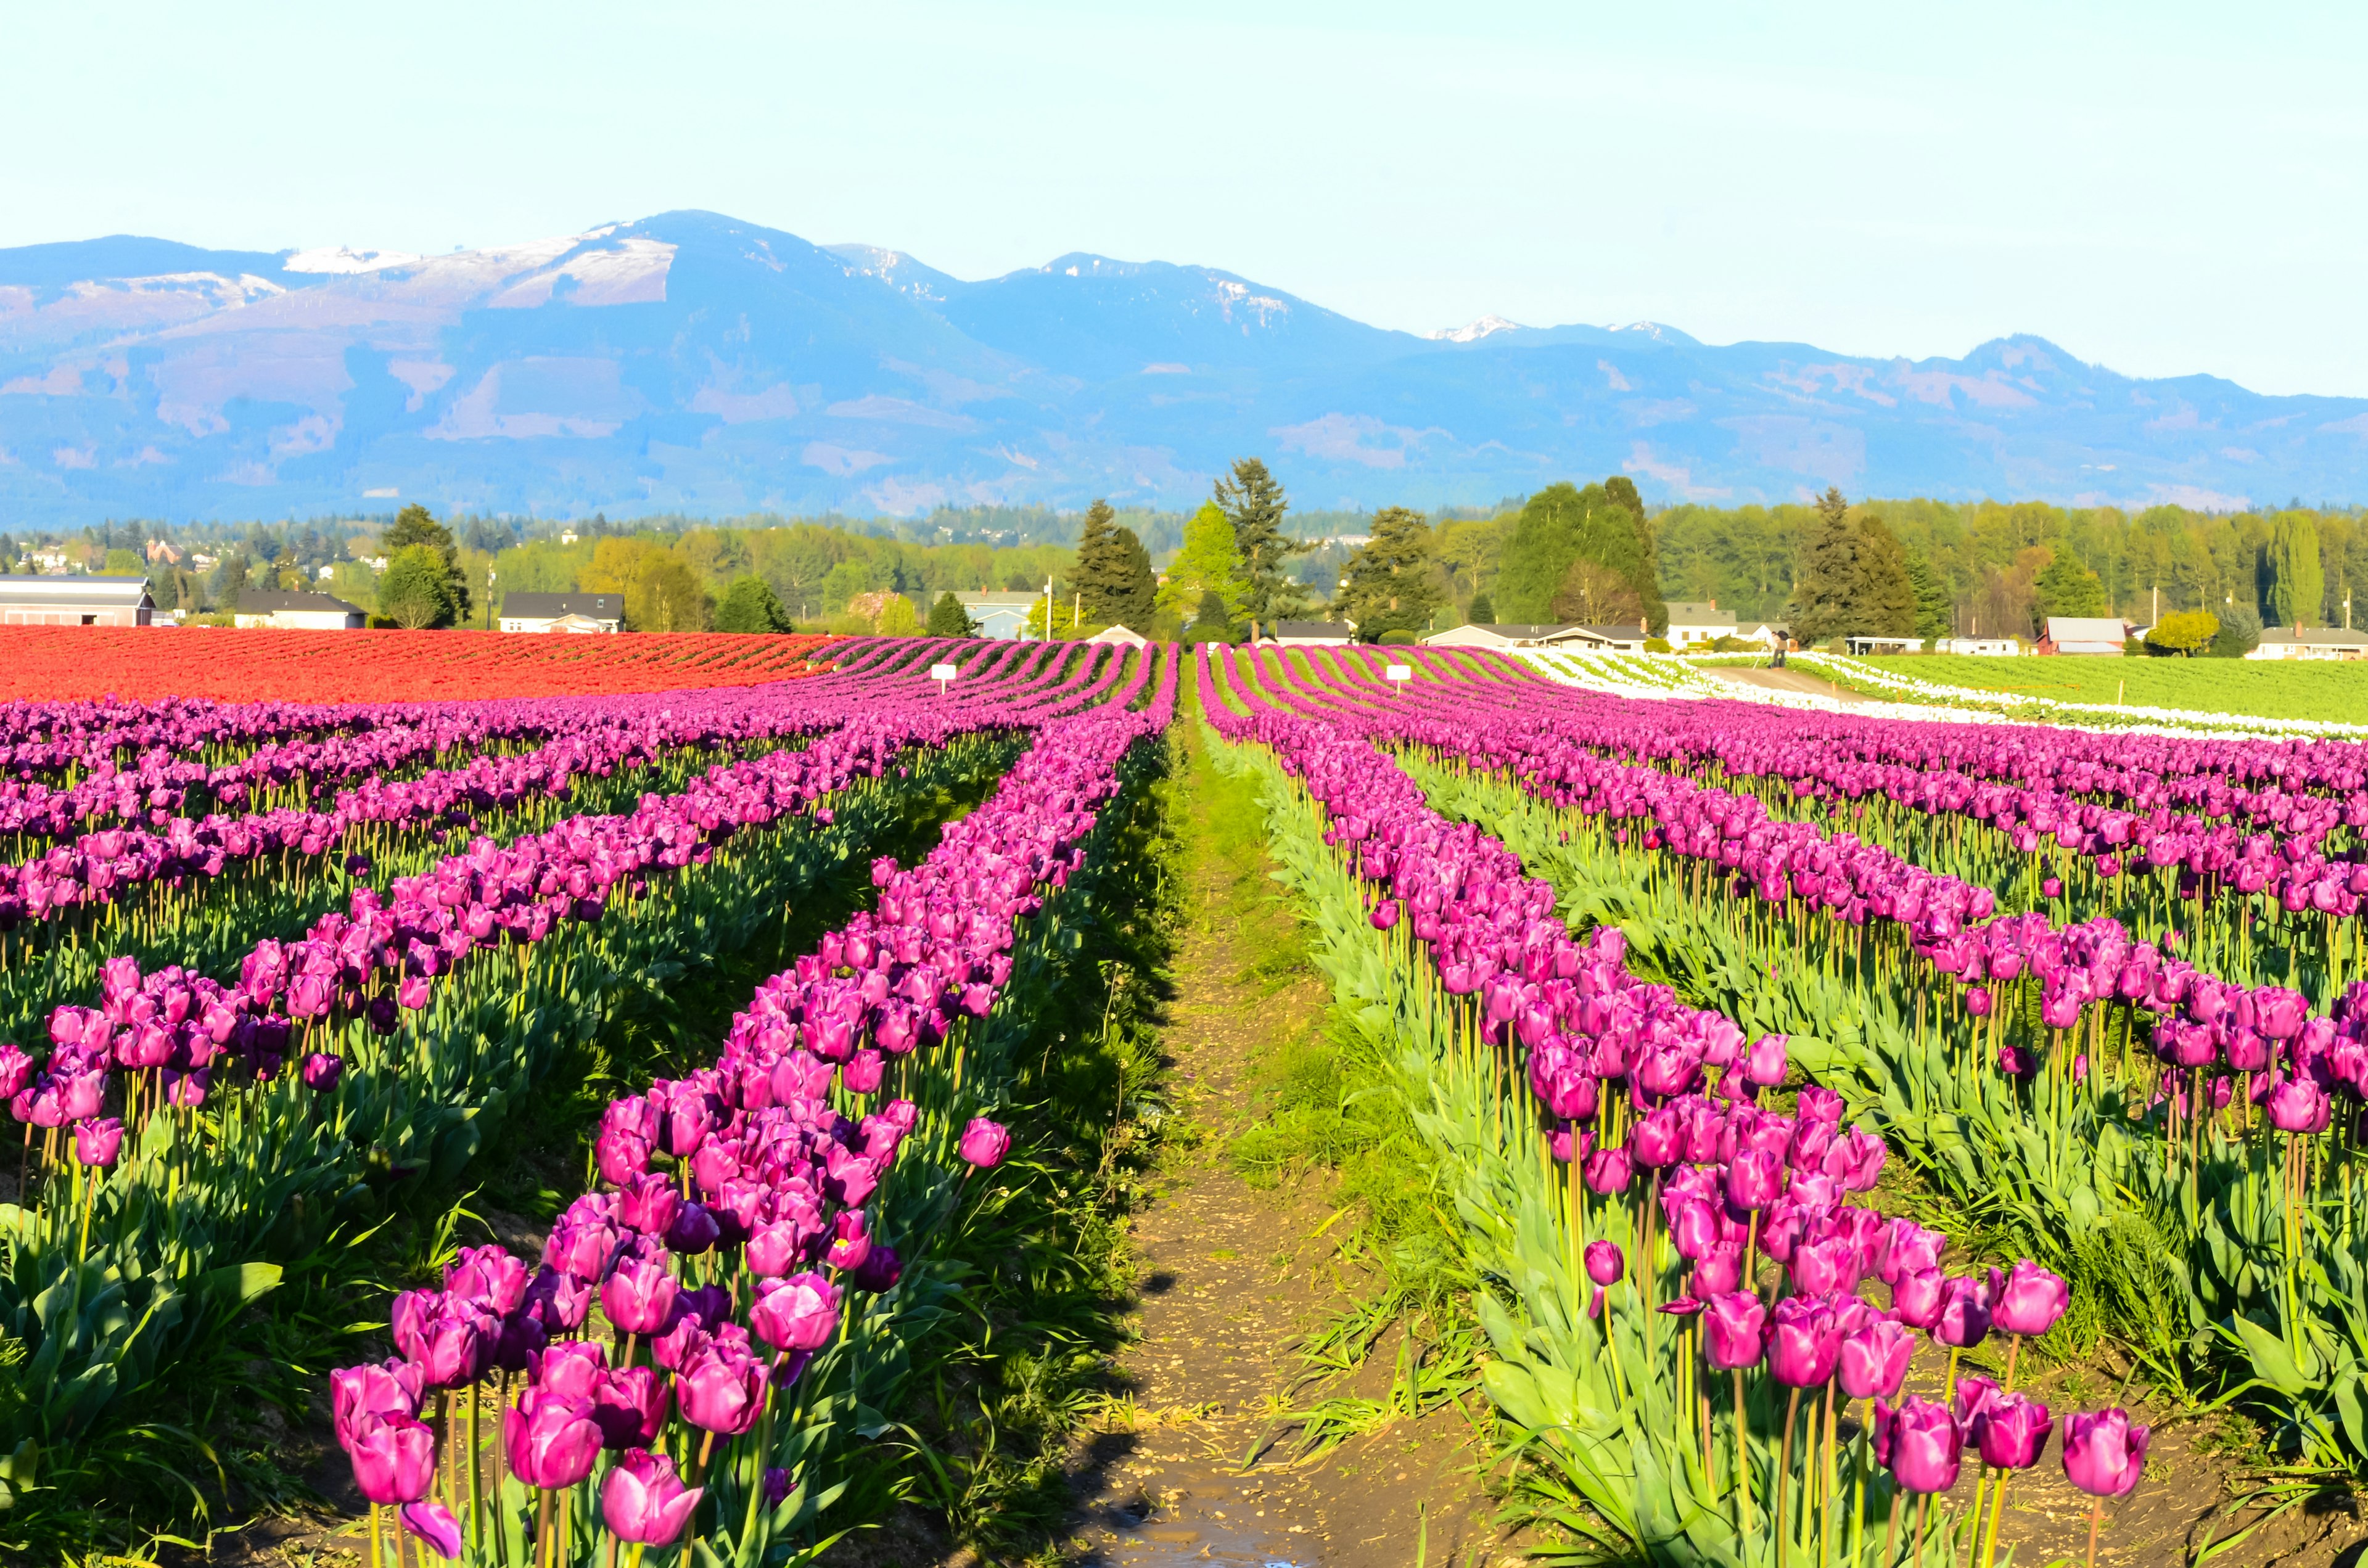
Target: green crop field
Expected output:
[2300,690]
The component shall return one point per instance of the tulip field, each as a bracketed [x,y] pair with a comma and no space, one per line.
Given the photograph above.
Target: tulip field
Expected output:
[1680,997]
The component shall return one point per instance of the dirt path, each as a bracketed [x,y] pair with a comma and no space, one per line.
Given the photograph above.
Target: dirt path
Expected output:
[1234,1277]
[1784,680]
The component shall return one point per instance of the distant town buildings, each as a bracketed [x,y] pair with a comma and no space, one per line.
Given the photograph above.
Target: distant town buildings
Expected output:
[564,612]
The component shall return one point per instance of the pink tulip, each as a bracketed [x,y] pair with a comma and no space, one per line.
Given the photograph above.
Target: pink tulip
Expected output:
[552,1439]
[800,1313]
[643,1501]
[434,1524]
[2103,1454]
[1875,1359]
[97,1143]
[637,1296]
[1604,1263]
[393,1457]
[1924,1445]
[2032,1300]
[1735,1329]
[721,1390]
[984,1143]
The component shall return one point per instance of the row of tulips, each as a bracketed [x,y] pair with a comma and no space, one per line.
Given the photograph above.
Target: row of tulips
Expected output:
[1674,1184]
[389,1039]
[2063,838]
[704,1328]
[2002,1056]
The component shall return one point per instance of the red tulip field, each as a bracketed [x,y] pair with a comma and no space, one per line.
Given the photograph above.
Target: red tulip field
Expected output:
[702,1100]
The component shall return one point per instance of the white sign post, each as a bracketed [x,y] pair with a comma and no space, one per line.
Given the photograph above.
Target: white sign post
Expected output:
[1398,676]
[944,676]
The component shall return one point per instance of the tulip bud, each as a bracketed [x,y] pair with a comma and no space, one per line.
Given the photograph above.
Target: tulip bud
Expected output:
[1604,1262]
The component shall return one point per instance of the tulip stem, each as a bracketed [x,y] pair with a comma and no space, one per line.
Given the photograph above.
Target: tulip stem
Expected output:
[1890,1531]
[1997,1517]
[1742,1459]
[1825,1481]
[2096,1514]
[2013,1351]
[542,1530]
[477,1498]
[1784,1480]
[375,1549]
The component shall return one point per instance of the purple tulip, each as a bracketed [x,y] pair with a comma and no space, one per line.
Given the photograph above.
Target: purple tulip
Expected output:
[1735,1329]
[721,1390]
[1803,1342]
[1604,1263]
[800,1313]
[1874,1359]
[693,1230]
[1606,1171]
[878,1271]
[1754,1177]
[2103,1454]
[2031,1299]
[2011,1431]
[489,1276]
[637,1296]
[1826,1265]
[1924,1445]
[551,1438]
[2297,1105]
[1965,1320]
[851,1243]
[643,1501]
[322,1072]
[97,1143]
[984,1143]
[393,1457]
[630,1406]
[393,1388]
[1764,1064]
[433,1523]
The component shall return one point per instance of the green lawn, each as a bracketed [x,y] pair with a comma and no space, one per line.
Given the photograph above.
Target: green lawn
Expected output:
[2311,690]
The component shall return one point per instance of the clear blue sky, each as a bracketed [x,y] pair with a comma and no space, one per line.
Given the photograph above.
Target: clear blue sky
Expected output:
[2163,189]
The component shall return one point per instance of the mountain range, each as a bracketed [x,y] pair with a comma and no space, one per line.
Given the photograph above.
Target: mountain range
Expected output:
[692,362]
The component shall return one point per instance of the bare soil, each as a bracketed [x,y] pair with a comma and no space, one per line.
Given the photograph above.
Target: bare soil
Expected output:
[1194,1466]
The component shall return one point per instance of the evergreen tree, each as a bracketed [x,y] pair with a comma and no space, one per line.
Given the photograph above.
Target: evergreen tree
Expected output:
[1886,595]
[948,618]
[1103,576]
[2297,579]
[1932,595]
[1206,565]
[1622,490]
[2066,587]
[1254,503]
[1824,574]
[1212,622]
[1132,598]
[1389,584]
[1483,611]
[750,605]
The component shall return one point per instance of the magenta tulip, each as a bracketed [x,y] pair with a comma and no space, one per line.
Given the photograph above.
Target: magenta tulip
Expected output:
[1874,1359]
[434,1524]
[97,1143]
[2011,1431]
[984,1143]
[800,1313]
[1926,1447]
[644,1500]
[393,1388]
[637,1296]
[2103,1454]
[1604,1263]
[1803,1342]
[1754,1177]
[1735,1329]
[1606,1171]
[721,1390]
[1965,1320]
[630,1407]
[394,1457]
[1919,1297]
[552,1439]
[2031,1299]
